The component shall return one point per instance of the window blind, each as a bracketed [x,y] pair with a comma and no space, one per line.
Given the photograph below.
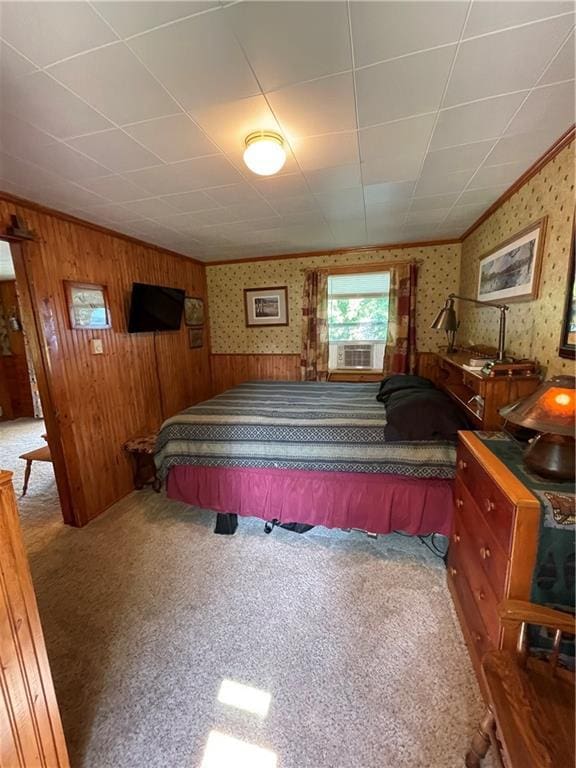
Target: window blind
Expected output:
[367,282]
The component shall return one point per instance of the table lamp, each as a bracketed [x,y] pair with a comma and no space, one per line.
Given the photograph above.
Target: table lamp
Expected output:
[549,410]
[446,321]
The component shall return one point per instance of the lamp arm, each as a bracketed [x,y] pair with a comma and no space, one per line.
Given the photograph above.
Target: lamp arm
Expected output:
[475,301]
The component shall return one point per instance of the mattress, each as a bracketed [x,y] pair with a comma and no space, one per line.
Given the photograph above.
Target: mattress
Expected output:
[310,426]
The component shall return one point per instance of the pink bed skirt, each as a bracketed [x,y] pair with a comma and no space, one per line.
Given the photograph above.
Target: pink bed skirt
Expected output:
[374,503]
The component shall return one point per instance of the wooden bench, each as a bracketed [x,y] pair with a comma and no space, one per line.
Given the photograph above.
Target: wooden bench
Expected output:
[39,454]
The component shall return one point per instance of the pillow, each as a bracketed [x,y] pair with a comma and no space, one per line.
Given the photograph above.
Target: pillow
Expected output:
[420,412]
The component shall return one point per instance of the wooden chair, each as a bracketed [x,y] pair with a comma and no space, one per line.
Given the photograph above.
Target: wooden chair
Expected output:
[530,716]
[39,454]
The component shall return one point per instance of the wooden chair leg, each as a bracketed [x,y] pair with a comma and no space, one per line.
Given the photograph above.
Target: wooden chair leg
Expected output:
[480,742]
[27,476]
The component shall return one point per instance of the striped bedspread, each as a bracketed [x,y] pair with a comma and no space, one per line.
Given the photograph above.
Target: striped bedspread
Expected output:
[296,425]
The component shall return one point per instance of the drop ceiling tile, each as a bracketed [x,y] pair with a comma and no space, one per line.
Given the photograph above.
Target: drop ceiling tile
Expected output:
[199,60]
[186,176]
[384,30]
[110,212]
[432,202]
[131,18]
[328,179]
[496,175]
[151,208]
[392,169]
[329,150]
[465,214]
[481,196]
[65,161]
[115,189]
[521,147]
[12,64]
[282,186]
[188,202]
[432,216]
[233,194]
[443,184]
[321,106]
[477,121]
[289,206]
[503,62]
[19,138]
[462,158]
[492,15]
[382,193]
[252,210]
[47,32]
[313,216]
[290,42]
[114,82]
[172,138]
[116,150]
[550,108]
[401,137]
[344,201]
[409,86]
[391,212]
[59,192]
[414,232]
[563,66]
[41,101]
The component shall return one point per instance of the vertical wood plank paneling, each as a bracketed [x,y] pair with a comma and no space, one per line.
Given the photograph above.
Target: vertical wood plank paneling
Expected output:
[15,391]
[103,400]
[230,370]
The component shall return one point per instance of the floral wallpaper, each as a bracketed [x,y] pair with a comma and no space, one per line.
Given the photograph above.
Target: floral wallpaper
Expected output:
[439,275]
[533,327]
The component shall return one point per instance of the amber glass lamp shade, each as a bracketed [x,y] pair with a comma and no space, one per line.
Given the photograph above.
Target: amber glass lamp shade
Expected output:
[550,410]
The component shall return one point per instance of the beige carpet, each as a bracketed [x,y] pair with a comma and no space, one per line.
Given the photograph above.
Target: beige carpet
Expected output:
[146,612]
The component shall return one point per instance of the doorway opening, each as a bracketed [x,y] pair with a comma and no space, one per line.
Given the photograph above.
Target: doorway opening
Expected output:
[28,440]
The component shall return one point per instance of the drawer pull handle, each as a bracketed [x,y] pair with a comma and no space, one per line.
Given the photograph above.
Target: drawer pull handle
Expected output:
[459,503]
[456,538]
[462,464]
[490,506]
[481,595]
[453,571]
[485,553]
[477,637]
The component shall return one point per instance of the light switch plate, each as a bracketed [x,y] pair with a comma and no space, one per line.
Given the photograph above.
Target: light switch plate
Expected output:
[96,346]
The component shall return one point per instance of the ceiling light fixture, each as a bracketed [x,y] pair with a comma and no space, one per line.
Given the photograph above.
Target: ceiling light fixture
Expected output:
[264,153]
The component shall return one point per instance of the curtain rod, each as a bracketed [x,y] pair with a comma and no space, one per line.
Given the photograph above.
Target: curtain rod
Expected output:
[365,267]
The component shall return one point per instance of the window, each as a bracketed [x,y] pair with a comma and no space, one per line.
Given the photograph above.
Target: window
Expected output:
[357,320]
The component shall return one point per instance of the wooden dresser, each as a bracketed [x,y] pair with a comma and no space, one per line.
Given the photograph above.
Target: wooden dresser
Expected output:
[478,395]
[493,545]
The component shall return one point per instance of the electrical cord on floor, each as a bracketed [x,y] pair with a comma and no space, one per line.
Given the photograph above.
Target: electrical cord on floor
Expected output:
[429,541]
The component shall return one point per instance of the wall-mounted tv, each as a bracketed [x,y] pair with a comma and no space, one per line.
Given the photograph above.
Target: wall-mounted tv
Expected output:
[155,308]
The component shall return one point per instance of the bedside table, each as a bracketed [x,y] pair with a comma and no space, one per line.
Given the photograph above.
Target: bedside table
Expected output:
[505,527]
[142,451]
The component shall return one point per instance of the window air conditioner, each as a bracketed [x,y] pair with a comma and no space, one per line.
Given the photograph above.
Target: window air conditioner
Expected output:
[355,355]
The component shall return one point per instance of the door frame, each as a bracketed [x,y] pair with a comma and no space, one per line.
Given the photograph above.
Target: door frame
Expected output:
[40,353]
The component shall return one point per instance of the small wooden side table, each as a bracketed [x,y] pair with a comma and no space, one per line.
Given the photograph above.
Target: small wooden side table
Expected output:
[142,451]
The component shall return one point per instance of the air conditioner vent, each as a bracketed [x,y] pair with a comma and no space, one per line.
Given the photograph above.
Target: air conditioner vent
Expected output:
[355,355]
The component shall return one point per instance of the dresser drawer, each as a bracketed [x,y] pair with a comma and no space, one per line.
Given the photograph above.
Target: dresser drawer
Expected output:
[473,627]
[496,507]
[485,548]
[467,564]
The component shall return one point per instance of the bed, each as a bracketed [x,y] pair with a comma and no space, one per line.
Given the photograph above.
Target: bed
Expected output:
[306,452]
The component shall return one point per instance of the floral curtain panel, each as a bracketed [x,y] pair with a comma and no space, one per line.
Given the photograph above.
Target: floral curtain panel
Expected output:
[400,354]
[314,359]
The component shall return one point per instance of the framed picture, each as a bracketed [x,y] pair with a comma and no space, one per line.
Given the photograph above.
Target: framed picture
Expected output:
[193,311]
[87,306]
[196,337]
[568,340]
[511,272]
[266,306]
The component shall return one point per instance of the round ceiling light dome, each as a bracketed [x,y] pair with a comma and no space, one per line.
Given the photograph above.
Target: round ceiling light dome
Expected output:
[264,153]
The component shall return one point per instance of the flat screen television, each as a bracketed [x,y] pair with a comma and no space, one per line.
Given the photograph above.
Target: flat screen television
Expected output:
[155,308]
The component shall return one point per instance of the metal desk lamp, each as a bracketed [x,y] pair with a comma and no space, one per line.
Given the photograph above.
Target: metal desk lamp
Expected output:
[446,321]
[549,410]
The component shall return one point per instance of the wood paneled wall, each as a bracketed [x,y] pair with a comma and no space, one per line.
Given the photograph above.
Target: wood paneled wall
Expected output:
[230,370]
[15,391]
[100,401]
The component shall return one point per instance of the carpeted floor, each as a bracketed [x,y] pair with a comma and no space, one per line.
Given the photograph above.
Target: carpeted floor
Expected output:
[146,612]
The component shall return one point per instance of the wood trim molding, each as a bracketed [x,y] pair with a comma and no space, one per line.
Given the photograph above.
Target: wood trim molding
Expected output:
[535,168]
[91,225]
[335,252]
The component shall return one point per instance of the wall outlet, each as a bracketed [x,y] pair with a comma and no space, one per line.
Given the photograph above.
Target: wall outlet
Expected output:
[96,346]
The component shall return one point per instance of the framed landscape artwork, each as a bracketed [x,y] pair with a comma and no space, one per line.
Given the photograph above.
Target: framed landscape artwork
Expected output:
[266,306]
[196,337]
[511,272]
[87,306]
[193,311]
[568,340]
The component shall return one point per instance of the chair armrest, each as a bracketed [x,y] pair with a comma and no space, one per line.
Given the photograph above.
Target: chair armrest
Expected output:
[521,610]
